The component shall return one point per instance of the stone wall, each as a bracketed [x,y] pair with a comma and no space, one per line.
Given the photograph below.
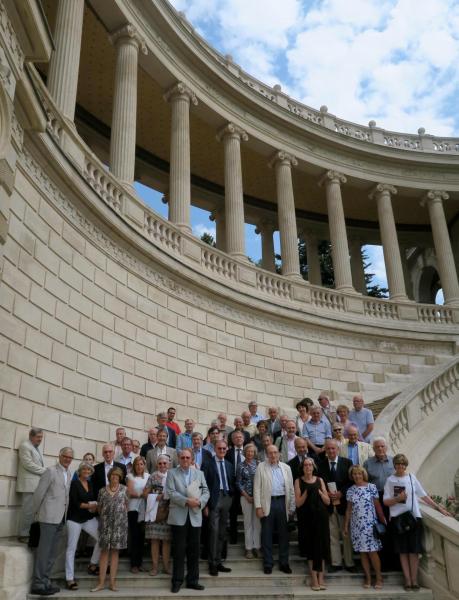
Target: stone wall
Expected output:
[89,343]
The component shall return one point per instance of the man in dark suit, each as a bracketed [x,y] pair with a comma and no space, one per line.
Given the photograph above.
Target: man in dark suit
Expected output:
[296,463]
[334,470]
[99,478]
[235,457]
[219,474]
[238,426]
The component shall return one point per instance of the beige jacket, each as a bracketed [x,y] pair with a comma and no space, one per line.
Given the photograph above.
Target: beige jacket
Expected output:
[365,451]
[30,467]
[51,498]
[262,488]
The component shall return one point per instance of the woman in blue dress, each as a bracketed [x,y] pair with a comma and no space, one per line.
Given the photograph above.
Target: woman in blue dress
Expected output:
[363,511]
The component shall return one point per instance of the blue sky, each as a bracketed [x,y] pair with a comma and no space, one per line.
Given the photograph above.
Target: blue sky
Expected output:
[392,61]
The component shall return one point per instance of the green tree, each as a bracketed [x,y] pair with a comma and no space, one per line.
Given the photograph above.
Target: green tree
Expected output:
[208,238]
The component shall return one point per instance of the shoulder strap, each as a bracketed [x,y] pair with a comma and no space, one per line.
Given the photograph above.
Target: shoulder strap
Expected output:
[412,493]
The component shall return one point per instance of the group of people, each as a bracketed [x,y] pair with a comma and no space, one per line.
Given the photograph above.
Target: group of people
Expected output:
[184,493]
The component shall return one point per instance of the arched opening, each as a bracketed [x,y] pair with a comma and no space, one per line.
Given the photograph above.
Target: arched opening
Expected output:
[429,285]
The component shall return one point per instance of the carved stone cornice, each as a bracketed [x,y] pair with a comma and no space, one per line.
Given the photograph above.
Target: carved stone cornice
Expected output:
[230,129]
[332,177]
[283,157]
[129,32]
[180,90]
[434,196]
[382,188]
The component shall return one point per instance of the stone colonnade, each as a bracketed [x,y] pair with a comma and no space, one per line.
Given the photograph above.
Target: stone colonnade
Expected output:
[347,261]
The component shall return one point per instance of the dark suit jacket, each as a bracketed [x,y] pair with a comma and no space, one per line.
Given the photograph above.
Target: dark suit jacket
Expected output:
[206,456]
[343,483]
[98,478]
[246,435]
[145,448]
[210,470]
[295,465]
[231,458]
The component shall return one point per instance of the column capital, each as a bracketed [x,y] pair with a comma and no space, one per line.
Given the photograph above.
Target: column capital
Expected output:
[332,177]
[130,33]
[232,130]
[265,226]
[282,157]
[434,196]
[180,90]
[382,188]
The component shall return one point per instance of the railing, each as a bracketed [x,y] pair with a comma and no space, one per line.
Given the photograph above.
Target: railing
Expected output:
[239,275]
[371,134]
[439,562]
[401,417]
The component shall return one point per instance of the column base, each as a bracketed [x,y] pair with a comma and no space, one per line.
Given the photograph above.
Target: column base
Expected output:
[296,276]
[453,303]
[239,256]
[399,298]
[346,289]
[183,227]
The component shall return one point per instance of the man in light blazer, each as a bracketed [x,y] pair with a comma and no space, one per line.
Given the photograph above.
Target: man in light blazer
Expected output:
[188,495]
[160,448]
[274,500]
[357,452]
[286,443]
[50,501]
[30,469]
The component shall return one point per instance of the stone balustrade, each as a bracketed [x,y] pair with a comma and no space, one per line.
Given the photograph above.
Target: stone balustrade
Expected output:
[240,275]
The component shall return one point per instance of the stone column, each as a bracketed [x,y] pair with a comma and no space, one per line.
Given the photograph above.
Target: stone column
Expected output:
[124,117]
[443,250]
[357,270]
[65,60]
[282,163]
[312,255]
[406,271]
[338,234]
[231,135]
[266,230]
[218,216]
[180,96]
[392,259]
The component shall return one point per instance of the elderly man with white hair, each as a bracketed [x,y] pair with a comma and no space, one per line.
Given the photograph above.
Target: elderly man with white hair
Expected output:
[356,451]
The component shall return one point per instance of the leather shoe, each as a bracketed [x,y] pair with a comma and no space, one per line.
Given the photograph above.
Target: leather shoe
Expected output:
[176,587]
[223,569]
[213,571]
[195,586]
[351,569]
[42,592]
[285,569]
[335,568]
[267,570]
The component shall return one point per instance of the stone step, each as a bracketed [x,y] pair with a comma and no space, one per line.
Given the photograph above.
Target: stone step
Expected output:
[283,590]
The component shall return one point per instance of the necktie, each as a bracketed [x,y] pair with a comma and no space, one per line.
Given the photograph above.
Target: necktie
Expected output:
[332,471]
[223,478]
[238,457]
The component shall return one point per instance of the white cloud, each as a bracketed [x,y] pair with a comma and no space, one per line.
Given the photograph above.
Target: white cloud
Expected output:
[200,228]
[389,60]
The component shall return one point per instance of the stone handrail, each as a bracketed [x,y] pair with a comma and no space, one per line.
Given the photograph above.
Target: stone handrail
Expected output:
[438,567]
[237,274]
[420,142]
[409,408]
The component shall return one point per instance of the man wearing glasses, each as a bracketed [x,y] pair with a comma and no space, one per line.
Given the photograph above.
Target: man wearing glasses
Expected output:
[188,494]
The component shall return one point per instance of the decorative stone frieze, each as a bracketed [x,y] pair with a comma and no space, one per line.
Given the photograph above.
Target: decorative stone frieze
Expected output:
[382,194]
[180,96]
[332,181]
[124,119]
[282,163]
[231,135]
[445,257]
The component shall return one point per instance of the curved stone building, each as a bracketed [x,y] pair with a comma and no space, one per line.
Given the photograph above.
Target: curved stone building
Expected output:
[110,312]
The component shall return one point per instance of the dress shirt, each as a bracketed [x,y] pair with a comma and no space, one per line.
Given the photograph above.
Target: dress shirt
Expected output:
[162,450]
[333,466]
[64,471]
[186,475]
[278,488]
[379,470]
[127,460]
[197,457]
[223,484]
[362,418]
[291,453]
[353,453]
[184,441]
[317,433]
[107,467]
[257,417]
[241,457]
[210,448]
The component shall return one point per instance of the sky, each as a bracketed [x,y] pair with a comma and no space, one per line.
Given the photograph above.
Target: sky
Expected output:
[391,61]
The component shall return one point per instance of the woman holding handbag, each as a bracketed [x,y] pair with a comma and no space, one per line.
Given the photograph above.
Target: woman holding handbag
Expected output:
[401,494]
[158,531]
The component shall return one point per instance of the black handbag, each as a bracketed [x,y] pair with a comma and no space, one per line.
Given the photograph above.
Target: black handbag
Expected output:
[379,530]
[406,522]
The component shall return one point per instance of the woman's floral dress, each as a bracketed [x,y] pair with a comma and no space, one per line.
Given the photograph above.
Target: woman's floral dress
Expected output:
[113,521]
[363,517]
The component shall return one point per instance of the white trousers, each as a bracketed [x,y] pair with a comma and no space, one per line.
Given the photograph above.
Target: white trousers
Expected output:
[336,535]
[73,534]
[252,525]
